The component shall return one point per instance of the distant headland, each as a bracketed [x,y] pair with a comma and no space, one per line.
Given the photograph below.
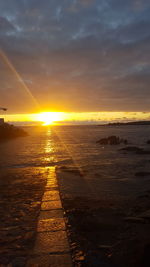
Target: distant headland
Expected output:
[134,123]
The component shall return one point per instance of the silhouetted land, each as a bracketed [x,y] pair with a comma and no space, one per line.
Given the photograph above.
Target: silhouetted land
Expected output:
[134,123]
[8,131]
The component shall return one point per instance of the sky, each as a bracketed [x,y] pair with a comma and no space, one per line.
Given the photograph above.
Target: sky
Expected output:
[75,55]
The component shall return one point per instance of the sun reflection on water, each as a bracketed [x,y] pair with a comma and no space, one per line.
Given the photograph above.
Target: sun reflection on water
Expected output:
[49,147]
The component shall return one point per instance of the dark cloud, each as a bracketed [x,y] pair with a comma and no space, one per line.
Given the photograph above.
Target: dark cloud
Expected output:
[5,26]
[79,55]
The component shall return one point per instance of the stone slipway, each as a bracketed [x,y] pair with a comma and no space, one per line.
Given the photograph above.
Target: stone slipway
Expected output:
[51,246]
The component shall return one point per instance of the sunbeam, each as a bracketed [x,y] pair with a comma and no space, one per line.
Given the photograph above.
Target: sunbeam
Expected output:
[18,76]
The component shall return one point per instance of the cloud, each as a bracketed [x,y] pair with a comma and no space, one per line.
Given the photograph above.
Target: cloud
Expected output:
[78,55]
[6,27]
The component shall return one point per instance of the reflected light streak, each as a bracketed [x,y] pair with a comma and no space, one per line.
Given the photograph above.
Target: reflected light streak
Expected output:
[49,149]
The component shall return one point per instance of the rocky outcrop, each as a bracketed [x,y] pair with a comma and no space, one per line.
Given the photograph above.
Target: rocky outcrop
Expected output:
[132,149]
[112,140]
[142,173]
[8,131]
[144,152]
[135,149]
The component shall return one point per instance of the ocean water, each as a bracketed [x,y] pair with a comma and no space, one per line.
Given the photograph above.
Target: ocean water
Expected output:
[102,166]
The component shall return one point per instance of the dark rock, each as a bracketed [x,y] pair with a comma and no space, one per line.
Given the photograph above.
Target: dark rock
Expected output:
[18,262]
[134,220]
[145,214]
[105,247]
[145,261]
[143,152]
[132,149]
[112,140]
[96,260]
[142,173]
[137,150]
[144,196]
[29,235]
[148,142]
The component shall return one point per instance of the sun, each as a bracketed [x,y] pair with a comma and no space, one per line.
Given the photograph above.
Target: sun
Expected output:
[49,118]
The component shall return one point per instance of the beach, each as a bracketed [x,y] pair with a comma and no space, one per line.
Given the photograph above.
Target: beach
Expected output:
[105,196]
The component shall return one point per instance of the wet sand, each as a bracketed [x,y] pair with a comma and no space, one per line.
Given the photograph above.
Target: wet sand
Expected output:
[106,228]
[21,192]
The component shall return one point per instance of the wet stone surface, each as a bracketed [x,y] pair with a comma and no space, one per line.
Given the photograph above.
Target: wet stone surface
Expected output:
[51,246]
[51,195]
[51,205]
[55,224]
[51,242]
[47,214]
[50,260]
[104,230]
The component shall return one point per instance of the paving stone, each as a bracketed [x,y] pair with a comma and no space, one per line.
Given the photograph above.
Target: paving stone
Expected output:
[48,188]
[134,219]
[51,181]
[50,261]
[51,242]
[51,195]
[51,245]
[51,185]
[51,205]
[52,177]
[56,224]
[47,214]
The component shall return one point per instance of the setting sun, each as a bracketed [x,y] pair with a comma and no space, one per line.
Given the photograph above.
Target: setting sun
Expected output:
[49,117]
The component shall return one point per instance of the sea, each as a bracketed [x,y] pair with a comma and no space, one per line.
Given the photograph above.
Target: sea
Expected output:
[105,168]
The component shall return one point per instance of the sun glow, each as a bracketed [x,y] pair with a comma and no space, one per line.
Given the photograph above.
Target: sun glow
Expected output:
[49,117]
